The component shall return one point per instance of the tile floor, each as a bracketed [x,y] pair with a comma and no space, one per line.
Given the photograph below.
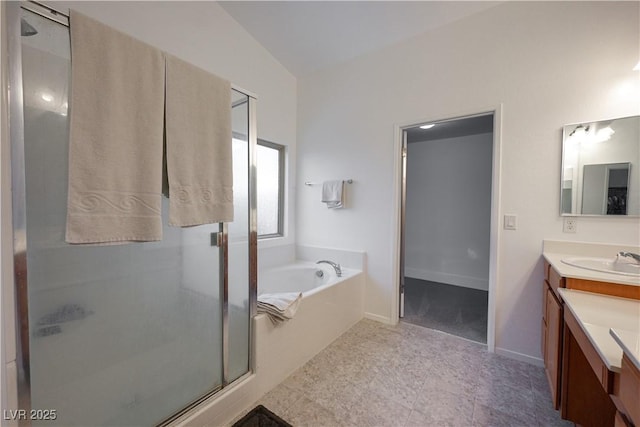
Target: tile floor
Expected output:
[407,375]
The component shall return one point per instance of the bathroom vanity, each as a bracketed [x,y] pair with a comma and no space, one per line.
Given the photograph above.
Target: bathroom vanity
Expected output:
[591,336]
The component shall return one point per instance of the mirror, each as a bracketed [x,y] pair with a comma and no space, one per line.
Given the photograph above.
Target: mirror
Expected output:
[600,168]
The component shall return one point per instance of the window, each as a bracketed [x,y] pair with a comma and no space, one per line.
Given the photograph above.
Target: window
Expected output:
[270,189]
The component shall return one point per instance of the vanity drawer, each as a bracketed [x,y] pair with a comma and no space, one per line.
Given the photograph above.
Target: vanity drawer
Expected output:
[555,281]
[605,288]
[547,267]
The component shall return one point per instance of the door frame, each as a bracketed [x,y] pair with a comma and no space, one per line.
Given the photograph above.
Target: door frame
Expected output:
[399,197]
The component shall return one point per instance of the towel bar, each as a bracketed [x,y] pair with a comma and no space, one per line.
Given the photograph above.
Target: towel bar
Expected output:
[348,181]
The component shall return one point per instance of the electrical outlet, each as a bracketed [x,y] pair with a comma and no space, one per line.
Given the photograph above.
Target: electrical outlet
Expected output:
[570,225]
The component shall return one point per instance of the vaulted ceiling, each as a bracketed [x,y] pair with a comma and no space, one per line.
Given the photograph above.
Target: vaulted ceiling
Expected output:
[306,36]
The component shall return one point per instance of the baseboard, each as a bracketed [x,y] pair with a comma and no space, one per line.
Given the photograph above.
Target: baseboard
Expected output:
[520,356]
[448,278]
[378,318]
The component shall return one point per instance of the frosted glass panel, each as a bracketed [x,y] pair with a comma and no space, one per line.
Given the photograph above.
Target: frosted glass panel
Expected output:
[268,173]
[119,335]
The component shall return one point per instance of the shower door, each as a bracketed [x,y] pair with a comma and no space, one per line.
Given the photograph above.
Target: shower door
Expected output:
[125,334]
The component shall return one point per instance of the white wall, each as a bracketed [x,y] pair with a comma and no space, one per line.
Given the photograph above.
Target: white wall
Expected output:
[547,63]
[448,210]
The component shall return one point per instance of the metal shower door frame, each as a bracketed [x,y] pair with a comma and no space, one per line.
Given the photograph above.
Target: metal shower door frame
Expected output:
[13,68]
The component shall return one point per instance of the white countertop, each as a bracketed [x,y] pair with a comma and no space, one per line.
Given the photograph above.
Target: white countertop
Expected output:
[630,343]
[597,314]
[555,251]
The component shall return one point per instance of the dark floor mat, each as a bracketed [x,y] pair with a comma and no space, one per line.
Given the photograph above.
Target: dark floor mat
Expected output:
[261,417]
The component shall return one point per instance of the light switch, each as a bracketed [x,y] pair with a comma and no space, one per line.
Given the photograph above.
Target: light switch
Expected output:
[510,222]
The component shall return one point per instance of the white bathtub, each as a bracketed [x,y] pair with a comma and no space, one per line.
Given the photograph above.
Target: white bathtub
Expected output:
[329,307]
[301,276]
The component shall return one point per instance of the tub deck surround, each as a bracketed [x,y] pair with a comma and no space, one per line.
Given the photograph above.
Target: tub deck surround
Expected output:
[346,258]
[301,276]
[272,255]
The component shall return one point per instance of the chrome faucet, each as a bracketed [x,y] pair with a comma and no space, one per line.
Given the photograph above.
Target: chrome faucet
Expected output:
[335,266]
[636,257]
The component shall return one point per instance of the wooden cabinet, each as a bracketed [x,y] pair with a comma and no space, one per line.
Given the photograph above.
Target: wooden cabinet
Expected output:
[553,345]
[586,387]
[586,381]
[552,329]
[630,389]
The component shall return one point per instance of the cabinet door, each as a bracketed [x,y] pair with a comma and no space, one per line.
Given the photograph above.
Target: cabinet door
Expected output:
[630,389]
[553,345]
[545,288]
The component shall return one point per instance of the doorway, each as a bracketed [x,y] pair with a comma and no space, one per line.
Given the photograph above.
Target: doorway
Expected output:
[446,225]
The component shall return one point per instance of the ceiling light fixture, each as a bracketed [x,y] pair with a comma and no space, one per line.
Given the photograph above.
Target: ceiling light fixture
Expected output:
[429,126]
[47,97]
[637,67]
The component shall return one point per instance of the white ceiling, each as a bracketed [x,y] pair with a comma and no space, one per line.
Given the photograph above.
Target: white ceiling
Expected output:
[309,35]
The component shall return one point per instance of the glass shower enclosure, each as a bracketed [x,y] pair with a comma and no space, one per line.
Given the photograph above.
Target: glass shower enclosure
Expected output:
[126,334]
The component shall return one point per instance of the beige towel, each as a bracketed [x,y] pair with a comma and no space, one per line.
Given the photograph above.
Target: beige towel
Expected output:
[198,132]
[279,307]
[115,148]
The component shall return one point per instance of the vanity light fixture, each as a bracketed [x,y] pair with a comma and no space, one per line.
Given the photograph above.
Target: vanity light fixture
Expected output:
[579,132]
[604,134]
[429,126]
[588,135]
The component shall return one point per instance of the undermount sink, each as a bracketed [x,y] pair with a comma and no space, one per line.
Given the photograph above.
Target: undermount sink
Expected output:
[605,265]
